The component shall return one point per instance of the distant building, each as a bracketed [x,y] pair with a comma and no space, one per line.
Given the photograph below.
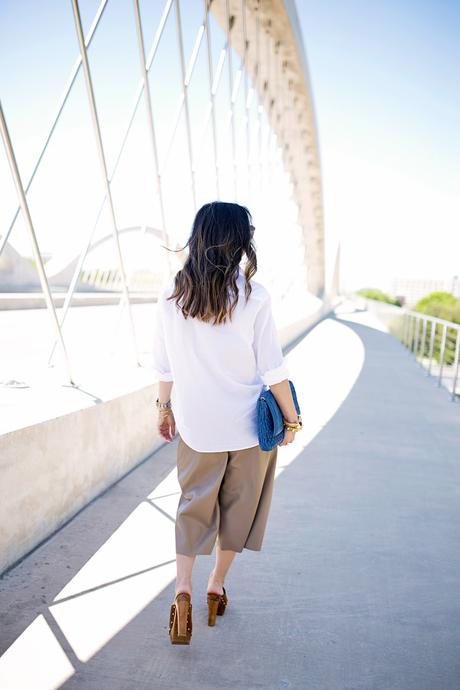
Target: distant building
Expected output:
[410,290]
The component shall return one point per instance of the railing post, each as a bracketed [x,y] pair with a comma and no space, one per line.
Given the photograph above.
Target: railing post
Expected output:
[404,329]
[412,330]
[422,348]
[432,337]
[455,365]
[441,354]
[417,333]
[408,331]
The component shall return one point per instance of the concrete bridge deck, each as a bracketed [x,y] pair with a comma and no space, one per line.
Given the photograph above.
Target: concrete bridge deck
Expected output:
[357,586]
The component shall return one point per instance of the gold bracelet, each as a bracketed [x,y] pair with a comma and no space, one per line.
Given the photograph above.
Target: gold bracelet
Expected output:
[293,426]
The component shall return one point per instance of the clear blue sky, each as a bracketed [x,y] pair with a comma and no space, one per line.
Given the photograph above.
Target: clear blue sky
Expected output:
[386,85]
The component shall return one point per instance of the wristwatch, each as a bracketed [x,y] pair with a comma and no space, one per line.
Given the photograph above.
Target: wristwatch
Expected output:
[163,405]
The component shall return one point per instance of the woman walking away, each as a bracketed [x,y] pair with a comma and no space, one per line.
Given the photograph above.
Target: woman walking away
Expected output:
[216,348]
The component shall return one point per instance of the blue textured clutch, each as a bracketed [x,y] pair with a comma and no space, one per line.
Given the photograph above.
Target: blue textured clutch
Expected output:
[270,425]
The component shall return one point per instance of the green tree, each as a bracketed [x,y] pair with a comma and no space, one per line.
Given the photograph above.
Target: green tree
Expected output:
[441,304]
[375,293]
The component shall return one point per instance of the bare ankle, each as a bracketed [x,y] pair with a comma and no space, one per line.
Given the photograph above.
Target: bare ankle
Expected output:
[183,586]
[217,579]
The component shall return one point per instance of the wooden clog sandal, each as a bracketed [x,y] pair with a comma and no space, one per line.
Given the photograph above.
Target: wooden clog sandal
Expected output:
[180,619]
[216,605]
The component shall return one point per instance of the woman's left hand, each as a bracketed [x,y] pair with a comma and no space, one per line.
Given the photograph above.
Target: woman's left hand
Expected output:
[167,424]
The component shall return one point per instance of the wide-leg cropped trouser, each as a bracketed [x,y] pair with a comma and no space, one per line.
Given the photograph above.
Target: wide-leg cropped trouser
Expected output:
[225,496]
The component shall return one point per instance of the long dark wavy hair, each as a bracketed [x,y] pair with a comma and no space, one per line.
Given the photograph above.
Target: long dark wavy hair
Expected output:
[222,233]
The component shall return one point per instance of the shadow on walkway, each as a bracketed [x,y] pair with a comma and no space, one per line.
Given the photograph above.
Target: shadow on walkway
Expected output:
[357,584]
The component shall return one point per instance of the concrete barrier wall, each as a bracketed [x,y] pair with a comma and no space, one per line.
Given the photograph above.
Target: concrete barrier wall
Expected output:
[49,471]
[52,469]
[389,314]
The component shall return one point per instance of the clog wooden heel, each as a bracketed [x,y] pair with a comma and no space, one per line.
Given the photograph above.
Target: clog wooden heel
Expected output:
[180,619]
[216,606]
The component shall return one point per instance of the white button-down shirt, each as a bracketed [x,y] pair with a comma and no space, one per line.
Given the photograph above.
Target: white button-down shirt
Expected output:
[219,370]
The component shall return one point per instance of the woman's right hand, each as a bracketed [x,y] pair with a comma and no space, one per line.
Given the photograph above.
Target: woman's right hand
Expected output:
[166,424]
[288,437]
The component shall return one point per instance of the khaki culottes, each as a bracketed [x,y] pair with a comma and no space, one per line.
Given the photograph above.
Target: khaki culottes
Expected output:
[225,496]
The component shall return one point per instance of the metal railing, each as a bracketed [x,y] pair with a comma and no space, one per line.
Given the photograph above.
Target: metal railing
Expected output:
[434,342]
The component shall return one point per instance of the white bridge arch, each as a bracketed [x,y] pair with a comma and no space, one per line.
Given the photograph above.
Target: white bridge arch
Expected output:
[241,64]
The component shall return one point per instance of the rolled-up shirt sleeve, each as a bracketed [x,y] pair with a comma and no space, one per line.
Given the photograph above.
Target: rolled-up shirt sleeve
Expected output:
[161,365]
[267,348]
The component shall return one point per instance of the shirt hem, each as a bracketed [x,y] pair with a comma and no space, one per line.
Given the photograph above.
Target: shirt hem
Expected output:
[220,450]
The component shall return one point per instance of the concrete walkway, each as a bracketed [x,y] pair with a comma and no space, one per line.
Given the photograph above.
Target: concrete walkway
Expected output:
[357,586]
